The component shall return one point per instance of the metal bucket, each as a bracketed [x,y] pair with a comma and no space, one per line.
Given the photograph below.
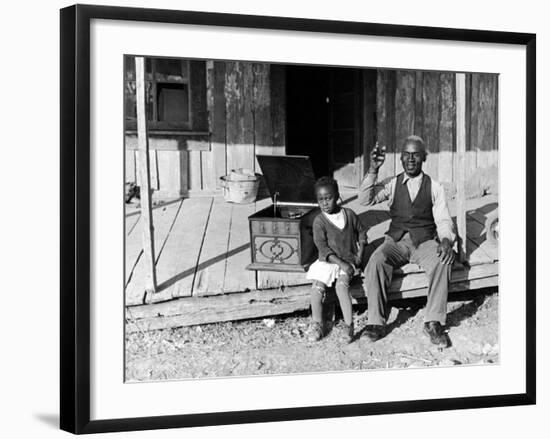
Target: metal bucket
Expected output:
[242,189]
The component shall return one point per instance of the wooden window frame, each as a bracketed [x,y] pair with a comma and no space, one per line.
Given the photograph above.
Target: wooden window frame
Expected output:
[155,78]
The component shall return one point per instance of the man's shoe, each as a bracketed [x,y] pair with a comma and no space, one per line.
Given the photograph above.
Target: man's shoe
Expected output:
[434,330]
[374,332]
[315,331]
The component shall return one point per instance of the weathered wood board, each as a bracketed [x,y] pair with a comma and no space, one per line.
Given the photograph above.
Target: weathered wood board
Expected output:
[480,250]
[206,253]
[277,80]
[446,127]
[275,279]
[263,124]
[405,99]
[385,111]
[211,270]
[177,262]
[237,278]
[133,246]
[431,121]
[146,166]
[368,115]
[239,94]
[218,128]
[424,103]
[163,218]
[244,107]
[194,170]
[256,304]
[131,223]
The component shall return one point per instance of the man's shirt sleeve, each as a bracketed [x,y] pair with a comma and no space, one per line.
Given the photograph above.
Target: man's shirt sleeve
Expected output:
[371,192]
[440,211]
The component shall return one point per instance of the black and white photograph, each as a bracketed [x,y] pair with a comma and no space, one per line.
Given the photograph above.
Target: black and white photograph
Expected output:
[296,218]
[272,220]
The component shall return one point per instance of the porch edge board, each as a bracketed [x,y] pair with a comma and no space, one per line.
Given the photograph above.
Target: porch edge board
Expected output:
[263,303]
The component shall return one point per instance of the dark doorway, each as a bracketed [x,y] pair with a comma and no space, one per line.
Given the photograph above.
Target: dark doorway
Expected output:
[324,113]
[307,115]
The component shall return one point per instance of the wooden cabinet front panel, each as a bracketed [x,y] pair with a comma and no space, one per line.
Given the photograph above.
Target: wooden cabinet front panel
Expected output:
[276,250]
[275,228]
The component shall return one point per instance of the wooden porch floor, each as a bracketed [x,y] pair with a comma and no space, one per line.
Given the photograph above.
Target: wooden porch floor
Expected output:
[202,247]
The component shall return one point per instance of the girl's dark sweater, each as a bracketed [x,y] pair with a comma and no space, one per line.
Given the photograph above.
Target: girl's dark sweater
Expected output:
[330,240]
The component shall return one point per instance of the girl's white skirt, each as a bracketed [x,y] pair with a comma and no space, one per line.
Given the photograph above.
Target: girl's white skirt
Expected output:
[325,272]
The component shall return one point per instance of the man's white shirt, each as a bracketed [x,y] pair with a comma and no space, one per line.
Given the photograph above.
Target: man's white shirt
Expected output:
[371,193]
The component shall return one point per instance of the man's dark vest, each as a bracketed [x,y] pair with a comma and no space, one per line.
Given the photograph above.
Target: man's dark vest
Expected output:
[414,217]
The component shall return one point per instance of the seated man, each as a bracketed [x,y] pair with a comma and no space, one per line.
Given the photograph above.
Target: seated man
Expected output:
[421,232]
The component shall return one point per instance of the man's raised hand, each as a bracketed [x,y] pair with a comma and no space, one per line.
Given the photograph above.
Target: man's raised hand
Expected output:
[377,157]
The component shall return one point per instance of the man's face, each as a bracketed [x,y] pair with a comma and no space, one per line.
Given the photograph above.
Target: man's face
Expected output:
[412,158]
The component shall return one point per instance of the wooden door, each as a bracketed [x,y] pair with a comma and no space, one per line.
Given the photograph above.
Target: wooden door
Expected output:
[344,126]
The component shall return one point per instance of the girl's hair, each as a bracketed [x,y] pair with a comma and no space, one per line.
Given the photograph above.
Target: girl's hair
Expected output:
[326,182]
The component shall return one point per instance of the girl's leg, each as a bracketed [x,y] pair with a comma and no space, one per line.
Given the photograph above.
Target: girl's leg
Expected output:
[342,291]
[318,290]
[317,295]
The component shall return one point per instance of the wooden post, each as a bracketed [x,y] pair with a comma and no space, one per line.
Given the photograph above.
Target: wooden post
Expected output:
[460,171]
[144,179]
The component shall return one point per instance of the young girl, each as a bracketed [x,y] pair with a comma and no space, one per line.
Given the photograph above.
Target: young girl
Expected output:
[340,239]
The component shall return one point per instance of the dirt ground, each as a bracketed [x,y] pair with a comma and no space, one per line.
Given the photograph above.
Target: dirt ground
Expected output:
[279,345]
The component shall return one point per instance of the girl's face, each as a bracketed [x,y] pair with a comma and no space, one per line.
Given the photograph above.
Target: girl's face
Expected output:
[326,198]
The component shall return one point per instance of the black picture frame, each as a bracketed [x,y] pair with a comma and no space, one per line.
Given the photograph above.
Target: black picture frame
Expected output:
[75,217]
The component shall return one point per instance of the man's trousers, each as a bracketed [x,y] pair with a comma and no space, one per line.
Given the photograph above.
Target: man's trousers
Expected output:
[390,255]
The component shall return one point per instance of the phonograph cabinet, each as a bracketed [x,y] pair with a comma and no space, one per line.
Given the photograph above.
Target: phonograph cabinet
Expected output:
[281,236]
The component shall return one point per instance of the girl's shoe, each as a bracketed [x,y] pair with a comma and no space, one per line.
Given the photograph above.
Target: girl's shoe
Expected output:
[315,331]
[349,333]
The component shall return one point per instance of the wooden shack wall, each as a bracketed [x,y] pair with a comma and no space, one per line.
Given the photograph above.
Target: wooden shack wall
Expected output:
[423,103]
[246,116]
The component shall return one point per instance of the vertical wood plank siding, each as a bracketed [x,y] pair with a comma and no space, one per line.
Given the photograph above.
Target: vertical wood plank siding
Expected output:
[239,119]
[385,110]
[369,114]
[263,125]
[245,116]
[424,103]
[246,105]
[430,121]
[218,147]
[447,126]
[405,99]
[277,82]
